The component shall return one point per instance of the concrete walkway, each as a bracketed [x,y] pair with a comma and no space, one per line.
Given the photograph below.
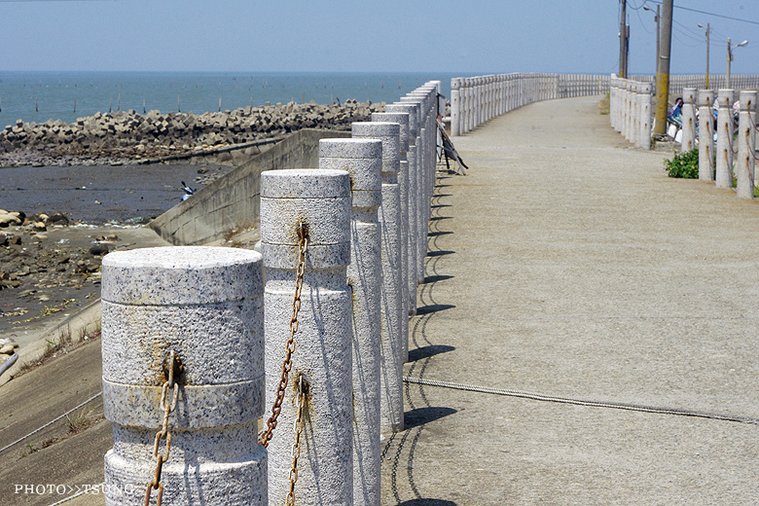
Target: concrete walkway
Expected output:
[567,264]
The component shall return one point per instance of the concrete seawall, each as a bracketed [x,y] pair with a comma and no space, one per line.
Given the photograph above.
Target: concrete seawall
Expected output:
[232,202]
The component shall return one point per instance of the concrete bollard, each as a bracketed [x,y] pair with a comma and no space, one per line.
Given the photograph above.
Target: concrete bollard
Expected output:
[204,306]
[645,116]
[407,183]
[362,159]
[418,239]
[724,159]
[705,135]
[744,164]
[427,132]
[455,107]
[629,110]
[688,140]
[392,342]
[320,200]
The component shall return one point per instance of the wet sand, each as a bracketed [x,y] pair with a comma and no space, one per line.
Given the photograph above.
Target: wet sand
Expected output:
[57,273]
[101,193]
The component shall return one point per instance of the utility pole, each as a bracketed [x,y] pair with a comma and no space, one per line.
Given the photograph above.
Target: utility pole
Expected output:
[627,51]
[729,61]
[657,20]
[662,70]
[708,43]
[658,34]
[730,58]
[622,38]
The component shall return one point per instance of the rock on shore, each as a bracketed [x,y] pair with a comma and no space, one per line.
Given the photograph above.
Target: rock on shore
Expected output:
[125,137]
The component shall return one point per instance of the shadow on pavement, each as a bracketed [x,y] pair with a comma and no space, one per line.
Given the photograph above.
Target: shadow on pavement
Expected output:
[421,416]
[428,351]
[433,308]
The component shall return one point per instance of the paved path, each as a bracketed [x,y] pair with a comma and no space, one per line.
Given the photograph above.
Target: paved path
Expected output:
[567,264]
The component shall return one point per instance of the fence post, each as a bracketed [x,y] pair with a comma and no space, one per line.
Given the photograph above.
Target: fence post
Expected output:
[362,159]
[645,116]
[724,175]
[744,165]
[705,135]
[317,204]
[455,104]
[183,302]
[629,110]
[393,343]
[689,120]
[613,103]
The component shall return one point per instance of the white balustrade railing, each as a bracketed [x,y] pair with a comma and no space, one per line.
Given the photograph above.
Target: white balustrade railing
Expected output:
[630,110]
[475,100]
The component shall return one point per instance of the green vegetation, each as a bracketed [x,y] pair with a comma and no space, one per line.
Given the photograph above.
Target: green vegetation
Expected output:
[684,165]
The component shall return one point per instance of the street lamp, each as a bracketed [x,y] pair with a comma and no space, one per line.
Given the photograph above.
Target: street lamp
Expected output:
[657,18]
[708,31]
[730,58]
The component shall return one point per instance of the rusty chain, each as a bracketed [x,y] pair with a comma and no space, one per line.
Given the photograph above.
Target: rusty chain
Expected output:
[265,436]
[298,430]
[161,458]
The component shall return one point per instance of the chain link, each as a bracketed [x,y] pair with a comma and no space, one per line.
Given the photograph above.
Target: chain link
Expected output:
[168,407]
[298,430]
[265,436]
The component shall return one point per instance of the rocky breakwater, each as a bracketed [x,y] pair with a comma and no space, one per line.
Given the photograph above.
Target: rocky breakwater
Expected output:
[128,137]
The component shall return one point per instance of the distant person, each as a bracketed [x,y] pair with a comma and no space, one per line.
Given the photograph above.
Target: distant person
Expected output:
[676,114]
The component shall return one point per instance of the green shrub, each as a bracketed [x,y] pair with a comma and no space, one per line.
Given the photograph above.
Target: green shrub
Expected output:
[684,165]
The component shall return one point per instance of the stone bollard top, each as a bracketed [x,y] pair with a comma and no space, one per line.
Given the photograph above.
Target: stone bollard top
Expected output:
[705,98]
[350,148]
[304,183]
[412,109]
[389,134]
[748,101]
[362,159]
[318,198]
[725,97]
[401,118]
[172,275]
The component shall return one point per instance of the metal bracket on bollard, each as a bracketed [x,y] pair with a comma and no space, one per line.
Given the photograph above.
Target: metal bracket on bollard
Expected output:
[287,363]
[172,369]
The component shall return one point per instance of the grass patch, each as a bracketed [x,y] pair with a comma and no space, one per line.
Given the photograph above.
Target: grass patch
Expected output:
[683,165]
[64,344]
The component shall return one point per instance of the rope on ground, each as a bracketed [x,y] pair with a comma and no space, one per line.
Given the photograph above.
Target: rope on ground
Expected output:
[582,402]
[51,422]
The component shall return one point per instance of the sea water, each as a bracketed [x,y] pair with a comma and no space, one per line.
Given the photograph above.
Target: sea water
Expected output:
[39,96]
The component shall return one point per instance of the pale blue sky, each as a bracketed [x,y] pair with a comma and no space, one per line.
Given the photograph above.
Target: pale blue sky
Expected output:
[357,35]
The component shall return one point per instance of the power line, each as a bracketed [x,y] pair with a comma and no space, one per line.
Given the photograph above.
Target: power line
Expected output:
[714,14]
[684,30]
[638,7]
[637,11]
[681,41]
